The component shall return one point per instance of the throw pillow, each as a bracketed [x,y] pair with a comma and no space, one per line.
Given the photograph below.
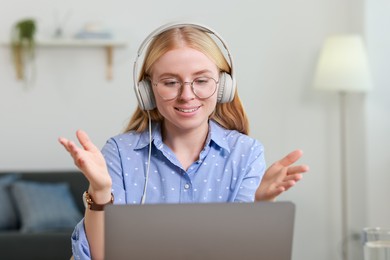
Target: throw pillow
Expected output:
[45,206]
[8,216]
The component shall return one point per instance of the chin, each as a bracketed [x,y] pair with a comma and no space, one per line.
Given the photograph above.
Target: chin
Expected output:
[187,124]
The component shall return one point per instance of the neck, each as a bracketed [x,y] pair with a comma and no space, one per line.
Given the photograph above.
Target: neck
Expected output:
[186,144]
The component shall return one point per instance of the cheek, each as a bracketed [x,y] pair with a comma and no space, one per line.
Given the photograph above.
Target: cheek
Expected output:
[157,99]
[212,104]
[213,98]
[163,105]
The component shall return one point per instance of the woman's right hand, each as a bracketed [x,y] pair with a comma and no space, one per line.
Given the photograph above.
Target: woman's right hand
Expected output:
[91,163]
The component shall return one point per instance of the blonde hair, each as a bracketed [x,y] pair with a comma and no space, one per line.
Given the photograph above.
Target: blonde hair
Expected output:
[229,115]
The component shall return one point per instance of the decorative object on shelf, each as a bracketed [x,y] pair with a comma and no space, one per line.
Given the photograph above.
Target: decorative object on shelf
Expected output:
[94,30]
[60,21]
[23,49]
[343,67]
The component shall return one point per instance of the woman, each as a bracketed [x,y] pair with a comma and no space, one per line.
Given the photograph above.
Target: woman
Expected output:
[197,148]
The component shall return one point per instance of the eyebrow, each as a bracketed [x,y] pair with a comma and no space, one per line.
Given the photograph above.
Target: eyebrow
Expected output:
[168,74]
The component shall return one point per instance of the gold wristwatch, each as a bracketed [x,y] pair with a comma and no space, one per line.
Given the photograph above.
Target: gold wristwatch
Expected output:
[89,203]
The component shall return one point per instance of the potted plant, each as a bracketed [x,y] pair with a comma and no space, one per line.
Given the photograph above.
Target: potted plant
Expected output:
[23,46]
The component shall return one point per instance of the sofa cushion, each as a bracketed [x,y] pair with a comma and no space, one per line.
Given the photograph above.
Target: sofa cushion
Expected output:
[44,206]
[8,216]
[42,246]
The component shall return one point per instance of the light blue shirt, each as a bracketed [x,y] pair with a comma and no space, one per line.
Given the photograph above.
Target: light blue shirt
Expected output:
[229,169]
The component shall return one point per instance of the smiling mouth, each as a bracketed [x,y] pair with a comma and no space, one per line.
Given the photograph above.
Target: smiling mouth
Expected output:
[189,110]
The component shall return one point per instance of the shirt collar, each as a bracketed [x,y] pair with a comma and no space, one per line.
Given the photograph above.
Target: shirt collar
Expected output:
[143,141]
[217,134]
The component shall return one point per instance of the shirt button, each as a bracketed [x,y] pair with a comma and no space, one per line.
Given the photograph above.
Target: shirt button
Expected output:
[186,186]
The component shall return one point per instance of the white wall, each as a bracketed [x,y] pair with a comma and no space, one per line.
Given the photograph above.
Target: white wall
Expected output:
[275,45]
[378,111]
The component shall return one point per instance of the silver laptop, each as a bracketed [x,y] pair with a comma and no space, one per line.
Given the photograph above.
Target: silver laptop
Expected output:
[261,230]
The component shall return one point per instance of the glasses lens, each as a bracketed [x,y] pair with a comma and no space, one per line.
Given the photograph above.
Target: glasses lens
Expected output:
[168,88]
[203,87]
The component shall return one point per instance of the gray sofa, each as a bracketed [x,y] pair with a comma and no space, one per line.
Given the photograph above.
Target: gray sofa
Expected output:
[48,244]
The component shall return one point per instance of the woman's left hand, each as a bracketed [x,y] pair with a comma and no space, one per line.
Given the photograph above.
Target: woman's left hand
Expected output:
[280,176]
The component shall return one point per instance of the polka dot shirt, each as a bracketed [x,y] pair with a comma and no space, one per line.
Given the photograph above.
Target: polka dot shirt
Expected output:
[229,169]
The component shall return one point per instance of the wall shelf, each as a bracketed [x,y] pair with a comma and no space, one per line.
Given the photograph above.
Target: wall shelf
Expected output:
[107,44]
[71,42]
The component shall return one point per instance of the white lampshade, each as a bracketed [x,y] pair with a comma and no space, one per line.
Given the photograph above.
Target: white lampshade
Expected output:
[343,65]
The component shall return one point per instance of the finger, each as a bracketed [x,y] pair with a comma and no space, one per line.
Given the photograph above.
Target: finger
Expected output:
[295,177]
[291,158]
[77,155]
[277,176]
[275,192]
[297,169]
[70,146]
[64,143]
[287,185]
[73,148]
[85,141]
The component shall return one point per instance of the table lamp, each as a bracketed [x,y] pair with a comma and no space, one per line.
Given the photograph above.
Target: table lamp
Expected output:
[343,68]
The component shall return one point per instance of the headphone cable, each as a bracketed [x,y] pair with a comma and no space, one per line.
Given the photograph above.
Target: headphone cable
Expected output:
[149,155]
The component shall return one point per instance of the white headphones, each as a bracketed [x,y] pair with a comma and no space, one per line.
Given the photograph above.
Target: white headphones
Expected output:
[143,89]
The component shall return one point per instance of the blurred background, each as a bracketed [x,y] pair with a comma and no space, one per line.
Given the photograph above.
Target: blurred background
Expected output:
[275,46]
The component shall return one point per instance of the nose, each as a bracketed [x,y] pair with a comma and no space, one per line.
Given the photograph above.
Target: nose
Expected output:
[186,92]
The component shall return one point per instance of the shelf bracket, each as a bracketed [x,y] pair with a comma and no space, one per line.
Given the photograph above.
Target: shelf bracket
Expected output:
[109,64]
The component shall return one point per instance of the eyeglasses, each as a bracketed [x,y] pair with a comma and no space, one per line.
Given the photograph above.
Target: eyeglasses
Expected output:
[170,88]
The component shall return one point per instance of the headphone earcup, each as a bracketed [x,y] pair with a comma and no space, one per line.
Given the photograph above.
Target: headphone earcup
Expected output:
[226,88]
[145,96]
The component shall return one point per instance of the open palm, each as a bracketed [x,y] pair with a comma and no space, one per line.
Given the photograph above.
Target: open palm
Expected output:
[280,176]
[89,160]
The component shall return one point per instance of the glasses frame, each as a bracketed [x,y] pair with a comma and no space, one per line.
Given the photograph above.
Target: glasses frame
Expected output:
[191,83]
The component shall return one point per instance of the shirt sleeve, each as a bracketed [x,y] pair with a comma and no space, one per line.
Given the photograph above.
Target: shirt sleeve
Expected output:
[254,173]
[80,246]
[112,155]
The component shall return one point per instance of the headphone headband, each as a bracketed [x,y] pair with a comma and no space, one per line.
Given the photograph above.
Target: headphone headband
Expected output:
[167,27]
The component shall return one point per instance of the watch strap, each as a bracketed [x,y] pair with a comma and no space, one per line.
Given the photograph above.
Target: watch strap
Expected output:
[94,206]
